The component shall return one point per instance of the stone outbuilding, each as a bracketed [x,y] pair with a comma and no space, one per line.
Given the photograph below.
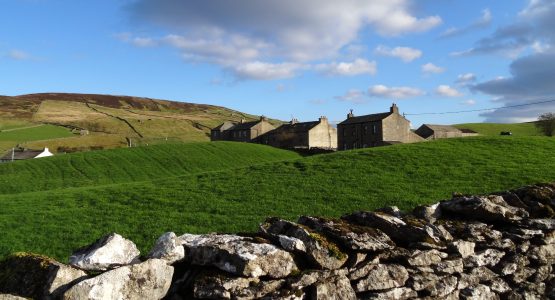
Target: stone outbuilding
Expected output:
[303,135]
[375,130]
[434,132]
[242,131]
[23,154]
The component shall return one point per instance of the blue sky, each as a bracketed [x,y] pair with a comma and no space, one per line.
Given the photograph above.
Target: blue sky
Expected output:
[290,58]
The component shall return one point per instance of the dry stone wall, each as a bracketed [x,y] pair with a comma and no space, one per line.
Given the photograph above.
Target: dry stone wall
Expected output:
[498,246]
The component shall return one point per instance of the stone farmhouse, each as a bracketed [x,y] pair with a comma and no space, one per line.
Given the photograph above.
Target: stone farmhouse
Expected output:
[375,130]
[242,131]
[303,135]
[23,154]
[434,132]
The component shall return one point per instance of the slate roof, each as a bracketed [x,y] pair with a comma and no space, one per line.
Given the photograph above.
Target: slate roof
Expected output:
[20,154]
[244,126]
[444,128]
[367,118]
[224,126]
[298,127]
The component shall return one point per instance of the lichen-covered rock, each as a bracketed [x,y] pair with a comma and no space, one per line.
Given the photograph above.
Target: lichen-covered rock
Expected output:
[36,276]
[335,287]
[544,254]
[499,286]
[237,255]
[220,286]
[478,292]
[320,250]
[449,266]
[428,212]
[291,244]
[11,297]
[488,257]
[545,224]
[420,281]
[352,237]
[462,248]
[148,280]
[511,263]
[401,293]
[108,252]
[382,277]
[420,258]
[168,248]
[442,287]
[486,209]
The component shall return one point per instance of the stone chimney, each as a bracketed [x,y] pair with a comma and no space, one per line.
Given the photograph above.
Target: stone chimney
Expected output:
[294,121]
[242,121]
[263,118]
[350,114]
[394,109]
[323,119]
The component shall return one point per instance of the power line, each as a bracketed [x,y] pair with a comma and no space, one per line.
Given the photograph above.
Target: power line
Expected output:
[478,110]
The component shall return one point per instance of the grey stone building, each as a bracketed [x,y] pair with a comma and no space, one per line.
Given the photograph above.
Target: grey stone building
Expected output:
[375,130]
[242,131]
[303,135]
[434,132]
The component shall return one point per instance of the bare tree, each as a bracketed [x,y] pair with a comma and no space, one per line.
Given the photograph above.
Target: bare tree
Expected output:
[546,123]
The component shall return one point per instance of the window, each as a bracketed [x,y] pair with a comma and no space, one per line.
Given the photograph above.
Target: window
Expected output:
[234,134]
[374,128]
[365,129]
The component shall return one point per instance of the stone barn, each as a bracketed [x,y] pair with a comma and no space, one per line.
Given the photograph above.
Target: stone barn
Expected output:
[242,131]
[303,135]
[434,132]
[375,130]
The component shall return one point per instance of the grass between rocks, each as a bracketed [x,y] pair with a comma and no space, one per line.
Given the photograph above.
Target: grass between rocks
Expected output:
[234,199]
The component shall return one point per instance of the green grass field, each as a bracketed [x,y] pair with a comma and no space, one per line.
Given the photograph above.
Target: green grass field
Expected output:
[54,222]
[494,129]
[40,132]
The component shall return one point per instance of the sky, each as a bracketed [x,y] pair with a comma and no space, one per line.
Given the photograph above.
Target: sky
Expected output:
[291,58]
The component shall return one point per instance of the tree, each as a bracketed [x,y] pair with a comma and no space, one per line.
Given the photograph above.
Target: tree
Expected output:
[546,123]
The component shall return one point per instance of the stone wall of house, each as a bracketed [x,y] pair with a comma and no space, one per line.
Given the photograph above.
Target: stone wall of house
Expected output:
[496,246]
[397,128]
[323,136]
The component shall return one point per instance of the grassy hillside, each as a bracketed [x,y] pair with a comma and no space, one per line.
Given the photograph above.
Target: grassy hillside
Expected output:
[112,121]
[132,165]
[57,221]
[493,129]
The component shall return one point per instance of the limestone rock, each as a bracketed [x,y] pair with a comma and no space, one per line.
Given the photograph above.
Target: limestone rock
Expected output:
[363,269]
[425,258]
[220,286]
[336,287]
[462,248]
[168,248]
[449,266]
[401,293]
[110,251]
[478,292]
[352,237]
[320,251]
[36,276]
[148,280]
[488,257]
[428,212]
[546,224]
[422,281]
[511,263]
[443,287]
[544,254]
[291,244]
[10,297]
[499,286]
[237,255]
[467,280]
[383,277]
[487,209]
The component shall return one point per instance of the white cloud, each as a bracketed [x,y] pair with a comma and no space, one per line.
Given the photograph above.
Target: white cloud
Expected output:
[430,68]
[406,54]
[265,71]
[394,92]
[466,78]
[356,67]
[469,102]
[447,91]
[483,22]
[353,96]
[18,55]
[233,33]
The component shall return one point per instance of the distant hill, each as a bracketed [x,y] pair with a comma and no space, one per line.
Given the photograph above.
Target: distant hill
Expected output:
[107,121]
[493,129]
[58,204]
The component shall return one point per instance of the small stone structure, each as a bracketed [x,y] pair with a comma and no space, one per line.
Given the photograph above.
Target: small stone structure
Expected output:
[497,246]
[303,135]
[434,132]
[375,130]
[242,131]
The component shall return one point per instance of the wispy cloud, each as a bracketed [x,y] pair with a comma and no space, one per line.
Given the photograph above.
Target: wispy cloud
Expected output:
[469,102]
[466,78]
[18,55]
[353,96]
[356,67]
[394,92]
[483,22]
[406,54]
[430,68]
[447,91]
